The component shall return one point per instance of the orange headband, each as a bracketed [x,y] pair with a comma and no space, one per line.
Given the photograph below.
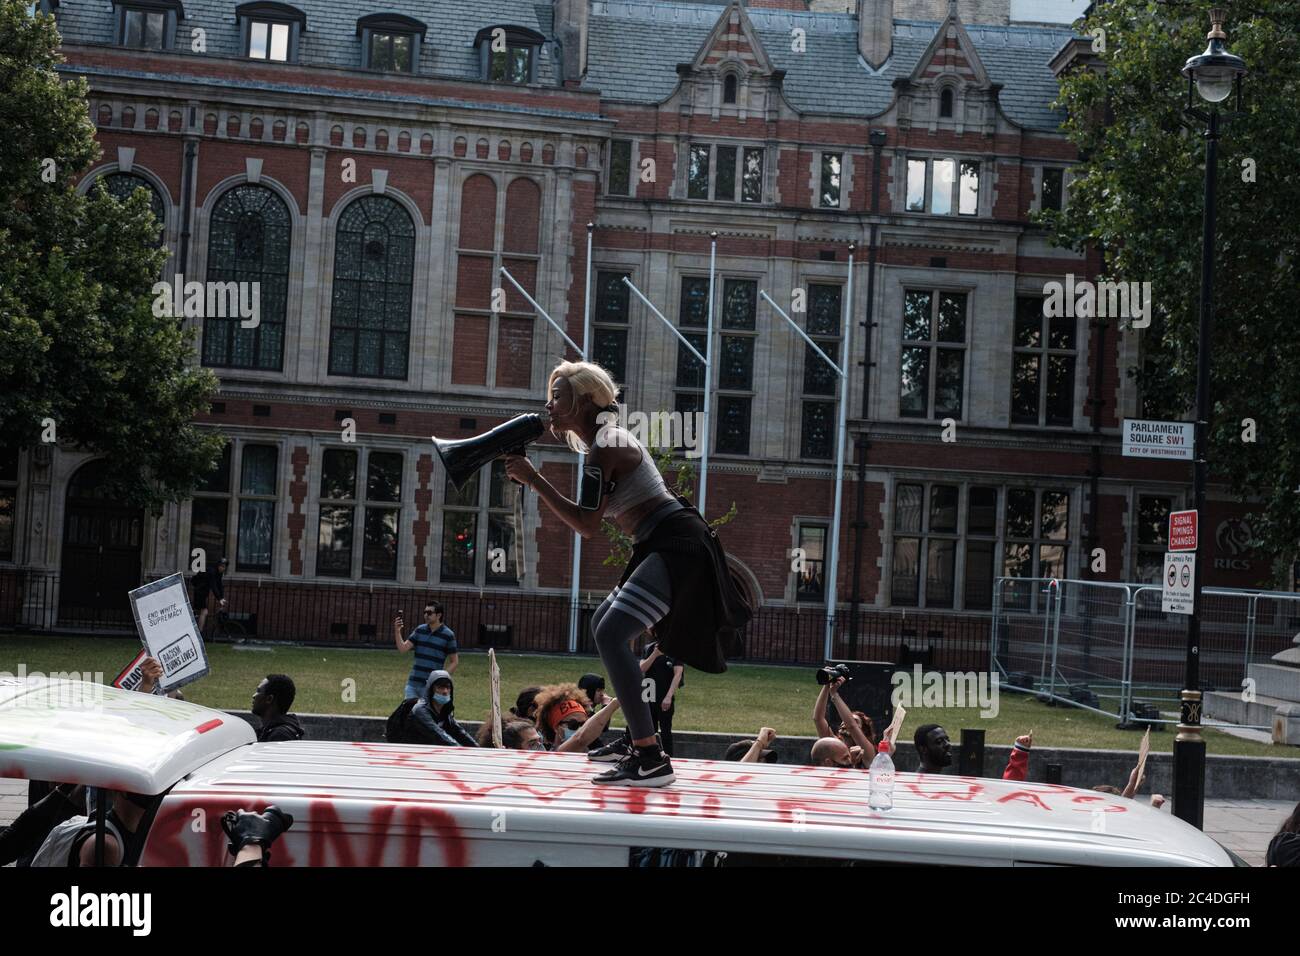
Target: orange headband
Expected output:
[562,710]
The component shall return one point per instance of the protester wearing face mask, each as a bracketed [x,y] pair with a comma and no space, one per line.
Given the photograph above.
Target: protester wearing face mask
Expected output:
[562,718]
[432,719]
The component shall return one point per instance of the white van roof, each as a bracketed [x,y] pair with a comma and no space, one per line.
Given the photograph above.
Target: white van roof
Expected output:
[77,732]
[716,805]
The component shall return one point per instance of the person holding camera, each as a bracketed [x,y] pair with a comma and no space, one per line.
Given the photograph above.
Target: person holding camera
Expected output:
[434,644]
[856,730]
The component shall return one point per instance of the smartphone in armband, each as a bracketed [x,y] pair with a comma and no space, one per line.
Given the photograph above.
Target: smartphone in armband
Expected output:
[592,490]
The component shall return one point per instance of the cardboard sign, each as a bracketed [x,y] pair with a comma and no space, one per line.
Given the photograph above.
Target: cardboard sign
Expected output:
[1182,531]
[168,631]
[1143,750]
[132,675]
[494,672]
[891,732]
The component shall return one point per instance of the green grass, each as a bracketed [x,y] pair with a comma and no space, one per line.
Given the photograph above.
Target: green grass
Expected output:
[739,702]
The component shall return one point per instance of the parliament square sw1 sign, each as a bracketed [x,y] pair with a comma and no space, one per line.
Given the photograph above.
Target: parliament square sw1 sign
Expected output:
[1168,440]
[1182,531]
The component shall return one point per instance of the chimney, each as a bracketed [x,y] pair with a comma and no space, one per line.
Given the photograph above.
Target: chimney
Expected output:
[571,31]
[875,31]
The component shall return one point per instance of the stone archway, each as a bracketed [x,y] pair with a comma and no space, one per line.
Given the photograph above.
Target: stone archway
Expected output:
[102,544]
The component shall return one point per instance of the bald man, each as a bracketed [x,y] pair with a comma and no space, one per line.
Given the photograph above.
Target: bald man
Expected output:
[831,752]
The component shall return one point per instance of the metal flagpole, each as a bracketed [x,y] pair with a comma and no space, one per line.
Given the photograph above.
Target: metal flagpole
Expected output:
[704,467]
[582,353]
[708,379]
[542,312]
[577,538]
[832,565]
[832,576]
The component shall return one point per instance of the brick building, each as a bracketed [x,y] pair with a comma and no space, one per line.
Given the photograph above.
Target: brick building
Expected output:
[374,168]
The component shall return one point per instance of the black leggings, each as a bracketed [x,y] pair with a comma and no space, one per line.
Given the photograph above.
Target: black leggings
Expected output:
[663,721]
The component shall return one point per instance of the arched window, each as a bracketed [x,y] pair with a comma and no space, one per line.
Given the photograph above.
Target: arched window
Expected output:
[729,88]
[945,103]
[121,186]
[370,321]
[248,242]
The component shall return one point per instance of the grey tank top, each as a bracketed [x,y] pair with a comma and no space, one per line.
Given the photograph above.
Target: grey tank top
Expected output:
[642,484]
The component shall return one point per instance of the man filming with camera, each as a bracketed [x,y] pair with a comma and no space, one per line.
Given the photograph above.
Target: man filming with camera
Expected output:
[856,730]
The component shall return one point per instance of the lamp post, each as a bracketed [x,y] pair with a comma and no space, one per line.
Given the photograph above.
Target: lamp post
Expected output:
[1215,74]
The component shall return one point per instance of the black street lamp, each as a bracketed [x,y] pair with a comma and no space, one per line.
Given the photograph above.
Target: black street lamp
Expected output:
[1215,74]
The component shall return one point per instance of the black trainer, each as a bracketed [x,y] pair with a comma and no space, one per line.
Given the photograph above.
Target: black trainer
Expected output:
[612,753]
[643,768]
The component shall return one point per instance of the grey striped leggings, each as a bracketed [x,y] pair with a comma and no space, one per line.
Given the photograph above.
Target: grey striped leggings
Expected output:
[636,606]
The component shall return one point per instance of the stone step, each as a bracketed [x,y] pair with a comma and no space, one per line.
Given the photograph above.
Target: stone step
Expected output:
[1229,707]
[1274,680]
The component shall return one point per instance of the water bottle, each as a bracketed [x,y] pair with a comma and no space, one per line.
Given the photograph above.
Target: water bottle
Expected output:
[882,779]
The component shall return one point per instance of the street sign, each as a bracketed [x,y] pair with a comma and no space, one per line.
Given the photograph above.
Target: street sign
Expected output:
[1180,571]
[1182,531]
[1148,439]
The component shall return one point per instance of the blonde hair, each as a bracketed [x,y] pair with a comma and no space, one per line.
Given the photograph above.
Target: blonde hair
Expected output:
[590,379]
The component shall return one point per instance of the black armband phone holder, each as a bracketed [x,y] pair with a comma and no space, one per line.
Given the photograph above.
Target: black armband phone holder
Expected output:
[593,489]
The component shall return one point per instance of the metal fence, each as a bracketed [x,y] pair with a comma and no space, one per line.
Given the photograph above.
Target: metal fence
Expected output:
[361,615]
[1115,639]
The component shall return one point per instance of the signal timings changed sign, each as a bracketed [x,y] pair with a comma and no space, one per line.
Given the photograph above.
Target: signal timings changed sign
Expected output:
[1180,572]
[1147,439]
[1182,531]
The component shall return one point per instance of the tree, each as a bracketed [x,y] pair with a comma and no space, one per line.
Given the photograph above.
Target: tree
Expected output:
[683,484]
[1138,199]
[81,352]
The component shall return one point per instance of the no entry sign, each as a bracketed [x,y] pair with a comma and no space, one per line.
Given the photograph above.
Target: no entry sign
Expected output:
[1182,531]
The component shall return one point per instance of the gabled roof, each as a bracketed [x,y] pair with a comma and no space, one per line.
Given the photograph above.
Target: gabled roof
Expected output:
[733,38]
[951,51]
[635,46]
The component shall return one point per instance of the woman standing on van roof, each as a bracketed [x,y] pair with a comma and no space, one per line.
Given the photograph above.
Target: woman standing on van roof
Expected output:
[676,582]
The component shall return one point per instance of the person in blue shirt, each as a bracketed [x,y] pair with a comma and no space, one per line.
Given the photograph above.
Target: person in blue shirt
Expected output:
[434,644]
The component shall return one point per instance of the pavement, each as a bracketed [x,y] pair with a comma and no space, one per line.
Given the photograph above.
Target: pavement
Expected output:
[1243,826]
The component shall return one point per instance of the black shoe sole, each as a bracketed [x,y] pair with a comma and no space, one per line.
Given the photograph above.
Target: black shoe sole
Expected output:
[606,758]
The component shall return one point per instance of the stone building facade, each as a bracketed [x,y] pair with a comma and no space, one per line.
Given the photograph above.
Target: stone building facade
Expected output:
[376,170]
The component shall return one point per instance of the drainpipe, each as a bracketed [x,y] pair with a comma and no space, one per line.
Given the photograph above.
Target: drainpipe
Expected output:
[187,187]
[876,138]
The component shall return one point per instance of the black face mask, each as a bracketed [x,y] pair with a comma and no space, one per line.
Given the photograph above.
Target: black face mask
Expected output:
[141,800]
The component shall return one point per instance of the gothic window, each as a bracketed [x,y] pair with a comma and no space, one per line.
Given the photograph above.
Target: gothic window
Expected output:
[374,259]
[248,244]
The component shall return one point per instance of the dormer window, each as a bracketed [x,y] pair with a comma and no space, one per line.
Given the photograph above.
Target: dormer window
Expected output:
[508,54]
[945,103]
[729,84]
[390,42]
[147,24]
[270,31]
